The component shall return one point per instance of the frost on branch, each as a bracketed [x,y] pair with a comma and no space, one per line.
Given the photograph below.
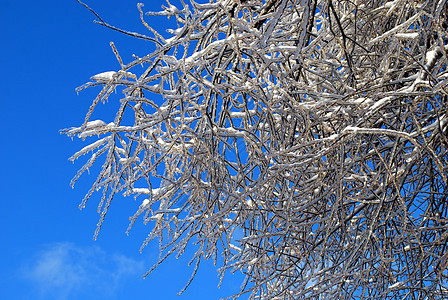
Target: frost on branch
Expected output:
[302,143]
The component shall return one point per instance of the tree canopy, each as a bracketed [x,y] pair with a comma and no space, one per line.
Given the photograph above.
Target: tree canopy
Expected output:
[301,142]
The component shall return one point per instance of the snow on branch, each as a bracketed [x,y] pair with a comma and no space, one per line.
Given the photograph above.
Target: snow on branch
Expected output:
[303,143]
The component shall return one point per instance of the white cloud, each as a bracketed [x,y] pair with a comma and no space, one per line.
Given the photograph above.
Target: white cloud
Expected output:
[62,270]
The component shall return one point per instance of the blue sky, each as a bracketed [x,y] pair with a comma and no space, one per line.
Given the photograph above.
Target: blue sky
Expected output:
[48,49]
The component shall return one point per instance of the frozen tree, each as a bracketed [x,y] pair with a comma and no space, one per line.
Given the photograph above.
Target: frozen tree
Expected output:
[301,142]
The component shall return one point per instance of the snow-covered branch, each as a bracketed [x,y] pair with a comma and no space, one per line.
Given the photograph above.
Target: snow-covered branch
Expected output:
[303,143]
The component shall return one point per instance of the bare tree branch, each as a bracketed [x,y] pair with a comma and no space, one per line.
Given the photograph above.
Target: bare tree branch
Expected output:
[303,143]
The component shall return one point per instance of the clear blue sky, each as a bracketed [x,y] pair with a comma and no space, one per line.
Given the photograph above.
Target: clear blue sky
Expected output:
[48,49]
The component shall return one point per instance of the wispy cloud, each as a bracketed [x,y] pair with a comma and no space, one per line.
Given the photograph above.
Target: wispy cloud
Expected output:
[62,270]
